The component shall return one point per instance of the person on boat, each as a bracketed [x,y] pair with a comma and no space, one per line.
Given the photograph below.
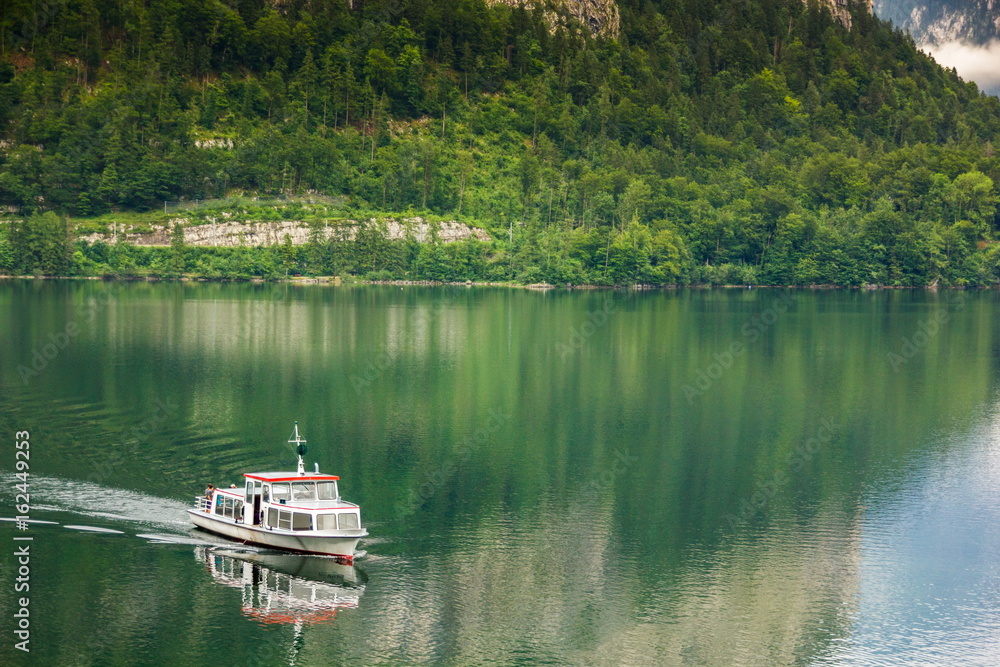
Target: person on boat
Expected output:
[209,492]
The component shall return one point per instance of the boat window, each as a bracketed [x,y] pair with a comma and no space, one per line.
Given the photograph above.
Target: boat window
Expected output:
[301,521]
[326,522]
[231,508]
[249,494]
[267,493]
[220,503]
[349,521]
[303,491]
[280,491]
[281,519]
[327,490]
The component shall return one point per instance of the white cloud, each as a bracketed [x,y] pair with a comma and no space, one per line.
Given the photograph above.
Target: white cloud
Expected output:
[973,63]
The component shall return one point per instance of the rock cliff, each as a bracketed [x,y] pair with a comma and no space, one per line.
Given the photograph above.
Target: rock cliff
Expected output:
[601,16]
[256,233]
[841,12]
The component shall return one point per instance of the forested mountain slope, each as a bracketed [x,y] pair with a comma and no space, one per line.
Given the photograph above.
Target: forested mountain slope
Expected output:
[724,141]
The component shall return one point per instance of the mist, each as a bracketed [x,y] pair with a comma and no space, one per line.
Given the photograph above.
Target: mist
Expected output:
[979,63]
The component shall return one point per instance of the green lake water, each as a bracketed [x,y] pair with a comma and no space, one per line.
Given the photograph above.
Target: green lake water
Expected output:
[695,477]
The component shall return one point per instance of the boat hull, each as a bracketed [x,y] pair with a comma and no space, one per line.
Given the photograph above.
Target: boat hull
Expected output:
[342,547]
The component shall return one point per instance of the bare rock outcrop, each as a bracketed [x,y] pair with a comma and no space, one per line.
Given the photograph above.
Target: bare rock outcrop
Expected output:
[226,232]
[601,16]
[841,12]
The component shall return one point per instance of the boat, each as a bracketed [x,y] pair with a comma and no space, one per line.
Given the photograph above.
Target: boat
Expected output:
[294,511]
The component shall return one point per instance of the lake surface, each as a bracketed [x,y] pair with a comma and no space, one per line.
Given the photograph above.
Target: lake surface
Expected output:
[698,477]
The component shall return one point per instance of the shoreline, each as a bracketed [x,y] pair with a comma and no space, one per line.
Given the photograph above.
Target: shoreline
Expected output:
[539,287]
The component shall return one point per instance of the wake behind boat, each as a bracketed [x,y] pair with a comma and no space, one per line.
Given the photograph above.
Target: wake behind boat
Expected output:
[296,511]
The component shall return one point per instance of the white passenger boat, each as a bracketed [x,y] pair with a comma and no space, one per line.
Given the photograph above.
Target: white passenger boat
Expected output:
[296,511]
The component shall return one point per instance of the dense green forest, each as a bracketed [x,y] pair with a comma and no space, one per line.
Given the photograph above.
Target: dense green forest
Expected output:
[723,141]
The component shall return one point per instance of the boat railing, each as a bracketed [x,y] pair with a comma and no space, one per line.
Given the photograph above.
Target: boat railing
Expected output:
[202,503]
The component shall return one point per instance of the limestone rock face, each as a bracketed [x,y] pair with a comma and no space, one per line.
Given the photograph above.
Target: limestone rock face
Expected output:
[841,13]
[257,233]
[601,16]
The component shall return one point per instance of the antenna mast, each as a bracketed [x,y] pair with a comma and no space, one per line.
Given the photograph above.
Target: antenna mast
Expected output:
[300,448]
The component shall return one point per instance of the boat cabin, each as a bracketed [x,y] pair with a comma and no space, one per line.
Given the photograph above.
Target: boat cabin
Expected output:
[289,501]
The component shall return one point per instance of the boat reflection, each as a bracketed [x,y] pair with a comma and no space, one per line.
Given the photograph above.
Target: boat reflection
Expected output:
[283,588]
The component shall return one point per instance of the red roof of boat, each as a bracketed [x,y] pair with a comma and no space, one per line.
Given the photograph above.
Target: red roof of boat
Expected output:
[289,477]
